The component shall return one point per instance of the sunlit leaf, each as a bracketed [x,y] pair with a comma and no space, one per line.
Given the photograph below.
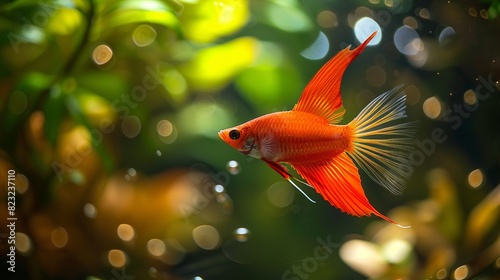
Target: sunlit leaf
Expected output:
[126,12]
[64,21]
[175,84]
[95,108]
[76,112]
[212,68]
[207,20]
[444,192]
[482,218]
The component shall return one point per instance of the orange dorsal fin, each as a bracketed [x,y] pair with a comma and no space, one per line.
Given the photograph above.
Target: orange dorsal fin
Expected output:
[339,183]
[322,95]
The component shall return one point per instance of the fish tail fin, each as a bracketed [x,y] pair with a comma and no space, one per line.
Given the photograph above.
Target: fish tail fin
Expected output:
[380,145]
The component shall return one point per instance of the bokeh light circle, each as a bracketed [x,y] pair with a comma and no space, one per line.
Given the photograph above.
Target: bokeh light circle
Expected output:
[364,27]
[144,35]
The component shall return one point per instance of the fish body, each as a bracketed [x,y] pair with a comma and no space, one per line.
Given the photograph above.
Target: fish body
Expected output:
[274,139]
[323,152]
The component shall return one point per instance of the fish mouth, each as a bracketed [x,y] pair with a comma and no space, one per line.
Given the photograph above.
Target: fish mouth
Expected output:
[221,135]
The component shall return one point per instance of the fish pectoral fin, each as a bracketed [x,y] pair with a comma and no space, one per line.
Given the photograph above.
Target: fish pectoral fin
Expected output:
[322,95]
[339,183]
[284,172]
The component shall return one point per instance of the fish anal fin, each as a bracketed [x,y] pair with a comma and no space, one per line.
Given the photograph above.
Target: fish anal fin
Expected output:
[322,95]
[339,183]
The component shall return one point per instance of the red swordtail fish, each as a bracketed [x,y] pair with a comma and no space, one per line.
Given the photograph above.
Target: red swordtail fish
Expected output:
[323,152]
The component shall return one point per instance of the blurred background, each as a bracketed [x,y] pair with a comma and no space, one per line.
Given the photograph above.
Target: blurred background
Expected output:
[109,118]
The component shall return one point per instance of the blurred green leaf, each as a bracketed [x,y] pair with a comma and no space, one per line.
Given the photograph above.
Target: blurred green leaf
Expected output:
[108,85]
[285,15]
[270,80]
[54,109]
[31,85]
[492,12]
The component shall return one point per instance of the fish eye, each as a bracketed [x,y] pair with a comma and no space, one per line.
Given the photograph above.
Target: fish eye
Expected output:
[234,134]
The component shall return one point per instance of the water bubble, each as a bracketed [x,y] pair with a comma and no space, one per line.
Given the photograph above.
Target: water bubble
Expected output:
[131,175]
[158,153]
[364,27]
[470,97]
[117,258]
[126,232]
[233,167]
[242,234]
[23,243]
[59,237]
[280,194]
[411,22]
[89,210]
[376,76]
[327,19]
[484,13]
[153,272]
[156,247]
[432,107]
[424,13]
[225,202]
[412,94]
[475,178]
[206,236]
[222,197]
[442,274]
[446,34]
[144,35]
[318,49]
[166,131]
[238,252]
[164,128]
[76,176]
[131,126]
[102,54]
[219,189]
[407,41]
[197,278]
[18,102]
[22,183]
[461,272]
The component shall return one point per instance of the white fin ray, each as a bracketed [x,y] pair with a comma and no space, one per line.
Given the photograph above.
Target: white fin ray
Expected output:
[380,147]
[300,190]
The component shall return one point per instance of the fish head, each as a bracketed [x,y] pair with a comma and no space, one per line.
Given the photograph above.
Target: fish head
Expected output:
[240,138]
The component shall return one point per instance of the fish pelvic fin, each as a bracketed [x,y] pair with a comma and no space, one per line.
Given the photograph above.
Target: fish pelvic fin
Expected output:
[284,172]
[380,144]
[339,183]
[322,96]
